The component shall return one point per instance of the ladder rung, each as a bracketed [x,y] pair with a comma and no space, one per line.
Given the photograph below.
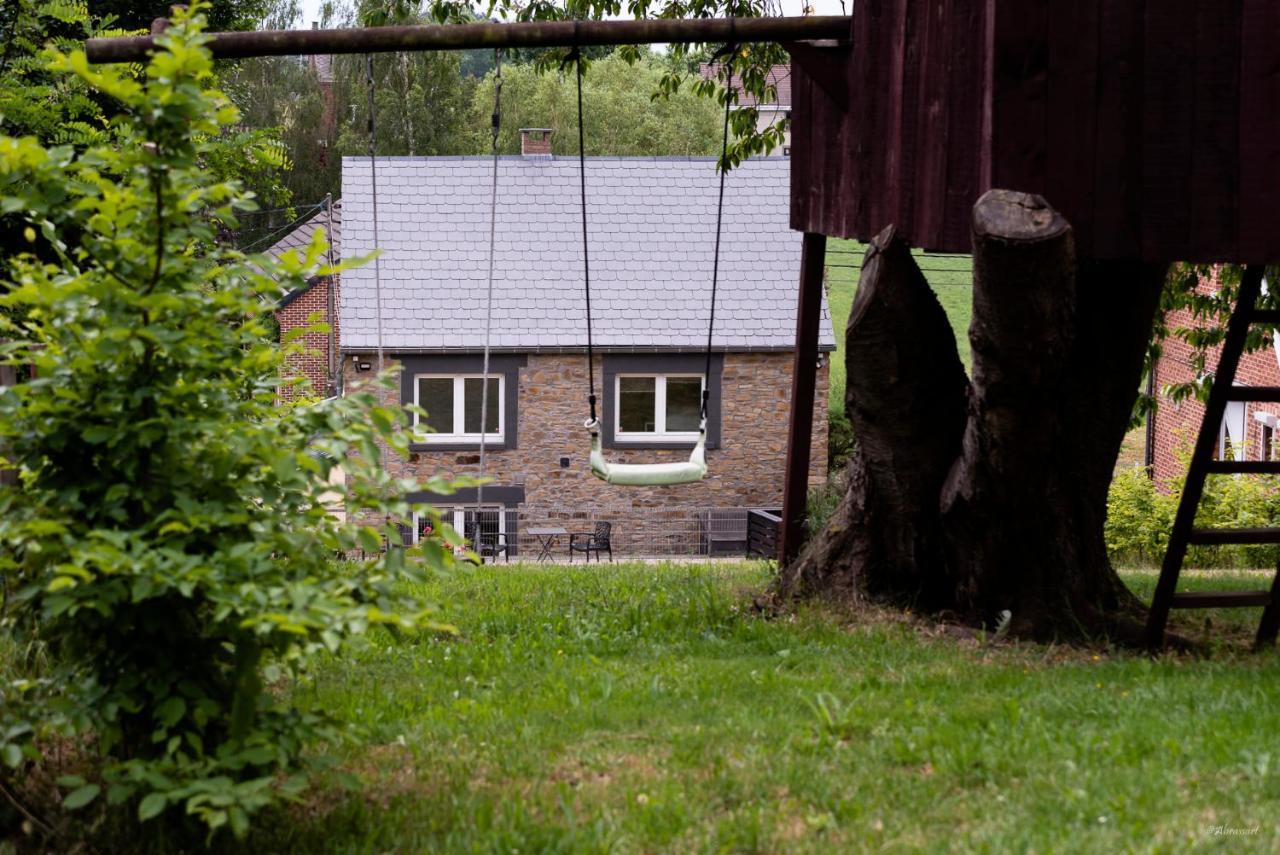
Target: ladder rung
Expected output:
[1212,536]
[1254,393]
[1265,316]
[1220,599]
[1251,467]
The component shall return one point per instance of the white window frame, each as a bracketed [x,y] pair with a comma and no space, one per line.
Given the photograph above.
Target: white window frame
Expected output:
[1232,431]
[457,517]
[660,432]
[459,410]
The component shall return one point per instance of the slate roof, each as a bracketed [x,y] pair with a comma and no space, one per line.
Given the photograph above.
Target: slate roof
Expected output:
[651,223]
[300,237]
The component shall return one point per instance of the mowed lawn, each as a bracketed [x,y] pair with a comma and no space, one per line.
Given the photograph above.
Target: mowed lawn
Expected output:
[950,276]
[643,708]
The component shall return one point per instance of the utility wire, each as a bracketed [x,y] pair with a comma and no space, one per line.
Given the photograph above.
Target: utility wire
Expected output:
[280,232]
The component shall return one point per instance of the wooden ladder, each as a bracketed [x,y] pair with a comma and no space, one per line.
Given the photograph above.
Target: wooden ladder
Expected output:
[1184,532]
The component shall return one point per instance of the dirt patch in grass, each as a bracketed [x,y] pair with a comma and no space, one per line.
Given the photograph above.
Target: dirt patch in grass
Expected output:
[601,772]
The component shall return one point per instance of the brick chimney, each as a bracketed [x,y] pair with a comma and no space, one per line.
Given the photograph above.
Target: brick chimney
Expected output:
[535,142]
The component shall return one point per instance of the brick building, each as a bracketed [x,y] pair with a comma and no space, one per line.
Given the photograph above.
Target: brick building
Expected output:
[1248,430]
[652,234]
[318,299]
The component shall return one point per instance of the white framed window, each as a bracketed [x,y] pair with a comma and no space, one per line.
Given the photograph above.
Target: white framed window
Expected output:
[453,405]
[657,406]
[493,520]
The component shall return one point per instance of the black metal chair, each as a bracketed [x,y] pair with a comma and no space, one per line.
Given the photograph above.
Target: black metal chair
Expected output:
[491,544]
[593,541]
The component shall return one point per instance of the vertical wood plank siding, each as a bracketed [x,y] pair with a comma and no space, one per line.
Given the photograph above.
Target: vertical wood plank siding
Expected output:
[1259,129]
[1214,172]
[1153,125]
[1117,162]
[1168,119]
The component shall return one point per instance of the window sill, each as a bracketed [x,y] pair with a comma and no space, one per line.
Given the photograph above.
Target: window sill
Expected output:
[457,445]
[658,444]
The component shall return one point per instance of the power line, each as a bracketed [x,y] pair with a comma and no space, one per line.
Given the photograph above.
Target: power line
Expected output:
[269,239]
[262,211]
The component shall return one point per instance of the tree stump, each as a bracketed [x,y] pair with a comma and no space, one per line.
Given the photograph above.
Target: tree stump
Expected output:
[985,495]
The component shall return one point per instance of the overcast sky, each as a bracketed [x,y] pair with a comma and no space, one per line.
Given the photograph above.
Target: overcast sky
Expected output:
[311,8]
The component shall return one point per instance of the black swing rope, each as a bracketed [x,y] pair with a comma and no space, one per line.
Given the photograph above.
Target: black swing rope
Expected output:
[575,56]
[496,120]
[723,168]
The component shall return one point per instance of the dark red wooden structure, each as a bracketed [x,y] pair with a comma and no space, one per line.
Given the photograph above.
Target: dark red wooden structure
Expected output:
[1152,125]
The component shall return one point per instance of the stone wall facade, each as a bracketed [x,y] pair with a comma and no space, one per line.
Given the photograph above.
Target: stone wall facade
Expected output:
[1177,424]
[296,312]
[746,471]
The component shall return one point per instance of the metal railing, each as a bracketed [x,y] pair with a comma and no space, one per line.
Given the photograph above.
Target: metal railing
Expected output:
[634,532]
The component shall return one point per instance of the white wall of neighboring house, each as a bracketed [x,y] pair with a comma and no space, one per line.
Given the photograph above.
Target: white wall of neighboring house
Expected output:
[767,115]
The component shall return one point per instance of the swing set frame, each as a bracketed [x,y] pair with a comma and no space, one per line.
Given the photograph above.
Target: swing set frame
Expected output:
[809,39]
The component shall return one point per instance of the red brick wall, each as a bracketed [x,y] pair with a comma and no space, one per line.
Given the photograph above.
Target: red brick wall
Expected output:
[1176,425]
[535,141]
[312,362]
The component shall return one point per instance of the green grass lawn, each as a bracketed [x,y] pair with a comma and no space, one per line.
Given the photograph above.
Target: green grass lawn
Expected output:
[646,708]
[950,276]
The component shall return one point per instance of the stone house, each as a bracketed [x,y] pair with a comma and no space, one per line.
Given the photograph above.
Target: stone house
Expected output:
[651,224]
[1248,429]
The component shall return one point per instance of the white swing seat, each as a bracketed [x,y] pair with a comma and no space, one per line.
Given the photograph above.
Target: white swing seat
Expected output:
[649,474]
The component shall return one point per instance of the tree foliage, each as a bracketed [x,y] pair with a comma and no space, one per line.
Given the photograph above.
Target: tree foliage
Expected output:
[421,103]
[61,109]
[750,64]
[619,112]
[421,108]
[168,544]
[222,15]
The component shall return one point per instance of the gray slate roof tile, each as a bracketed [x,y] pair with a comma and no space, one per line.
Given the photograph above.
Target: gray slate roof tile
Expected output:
[651,228]
[300,238]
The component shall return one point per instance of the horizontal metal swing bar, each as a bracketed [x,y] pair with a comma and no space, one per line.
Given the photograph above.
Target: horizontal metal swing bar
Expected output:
[1254,393]
[1221,599]
[471,36]
[1220,536]
[1243,467]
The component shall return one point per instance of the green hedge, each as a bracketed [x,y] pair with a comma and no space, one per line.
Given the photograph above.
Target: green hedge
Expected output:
[1140,514]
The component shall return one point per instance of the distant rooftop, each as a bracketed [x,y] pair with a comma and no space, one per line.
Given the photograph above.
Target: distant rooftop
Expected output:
[779,77]
[300,237]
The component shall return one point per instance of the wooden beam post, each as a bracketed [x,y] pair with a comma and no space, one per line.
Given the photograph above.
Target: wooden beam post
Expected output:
[804,375]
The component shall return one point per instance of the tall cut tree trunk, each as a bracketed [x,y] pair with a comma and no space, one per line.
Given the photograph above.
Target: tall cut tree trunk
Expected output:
[992,500]
[905,395]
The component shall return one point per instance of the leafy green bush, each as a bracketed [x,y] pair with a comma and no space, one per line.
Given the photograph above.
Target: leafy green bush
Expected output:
[822,501]
[1140,515]
[841,442]
[167,547]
